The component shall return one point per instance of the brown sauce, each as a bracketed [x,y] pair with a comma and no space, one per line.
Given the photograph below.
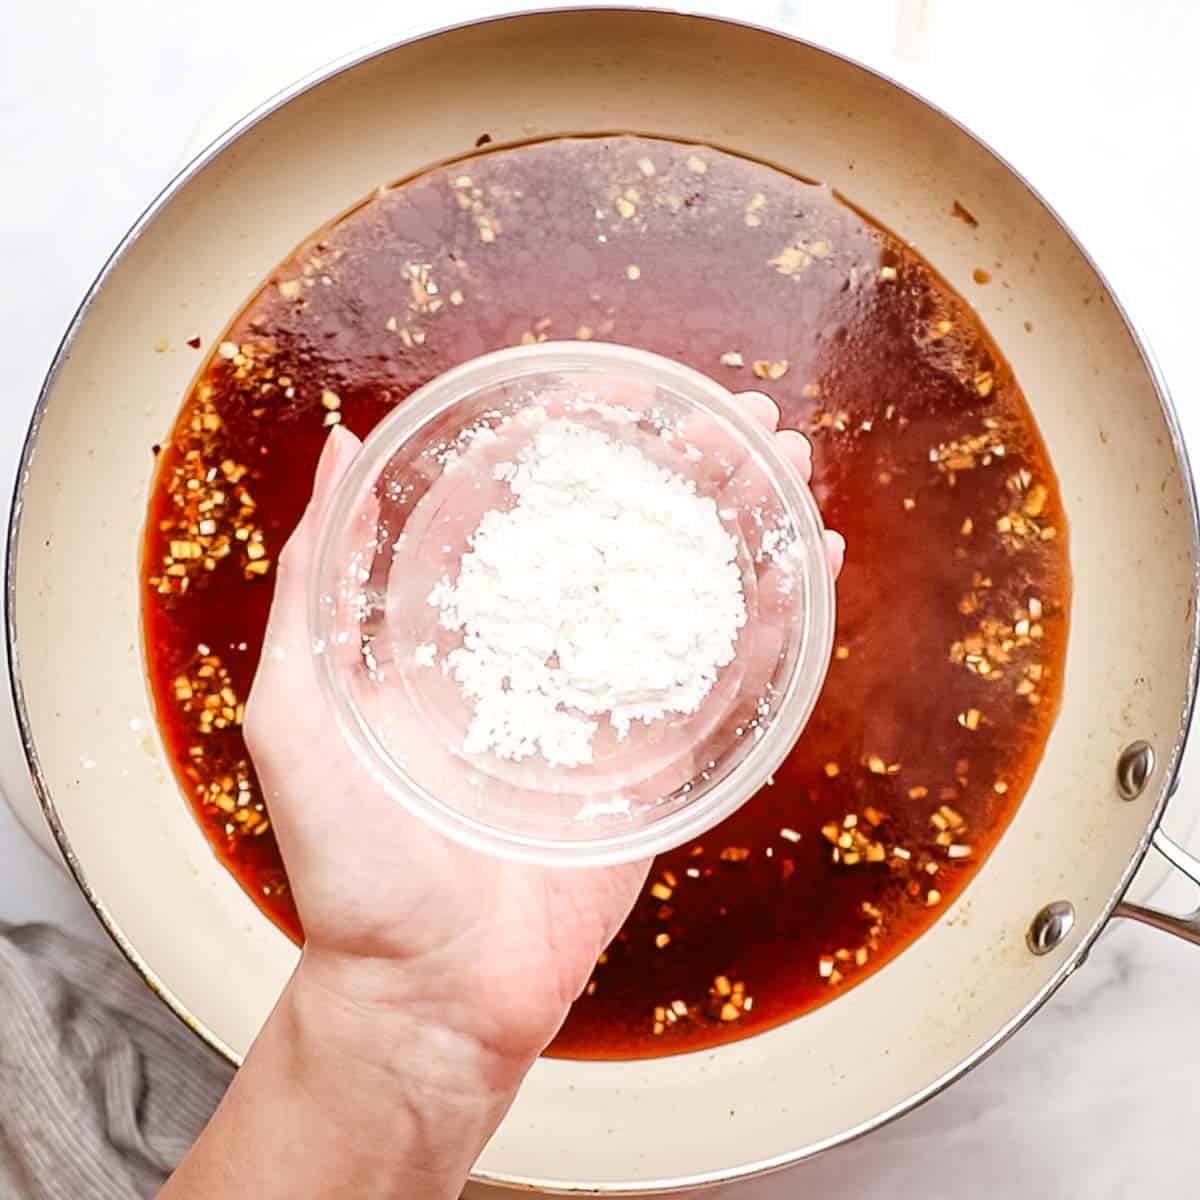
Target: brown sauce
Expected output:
[952,605]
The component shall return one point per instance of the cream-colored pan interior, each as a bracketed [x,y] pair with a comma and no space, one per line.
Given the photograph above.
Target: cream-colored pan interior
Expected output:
[76,595]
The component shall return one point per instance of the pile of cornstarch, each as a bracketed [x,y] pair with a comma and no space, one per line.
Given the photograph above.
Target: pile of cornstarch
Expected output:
[609,589]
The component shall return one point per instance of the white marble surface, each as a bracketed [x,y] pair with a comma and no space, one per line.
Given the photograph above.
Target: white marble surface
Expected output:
[1097,101]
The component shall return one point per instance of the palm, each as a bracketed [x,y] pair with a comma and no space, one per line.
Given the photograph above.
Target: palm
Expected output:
[371,881]
[502,947]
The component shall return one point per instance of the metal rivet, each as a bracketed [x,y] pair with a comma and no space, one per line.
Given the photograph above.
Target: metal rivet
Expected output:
[1050,926]
[1134,768]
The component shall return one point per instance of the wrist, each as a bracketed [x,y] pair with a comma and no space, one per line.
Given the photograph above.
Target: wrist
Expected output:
[342,1096]
[407,1102]
[396,1022]
[500,1016]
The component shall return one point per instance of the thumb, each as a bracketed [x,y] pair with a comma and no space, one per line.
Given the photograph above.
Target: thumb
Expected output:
[287,624]
[339,451]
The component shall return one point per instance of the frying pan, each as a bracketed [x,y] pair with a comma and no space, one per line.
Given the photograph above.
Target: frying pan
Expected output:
[1059,873]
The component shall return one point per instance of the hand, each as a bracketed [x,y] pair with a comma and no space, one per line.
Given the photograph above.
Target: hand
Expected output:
[431,975]
[493,949]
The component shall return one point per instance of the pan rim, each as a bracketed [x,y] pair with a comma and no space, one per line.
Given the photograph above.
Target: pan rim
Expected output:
[167,195]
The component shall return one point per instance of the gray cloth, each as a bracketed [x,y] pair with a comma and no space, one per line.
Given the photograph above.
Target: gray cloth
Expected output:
[101,1088]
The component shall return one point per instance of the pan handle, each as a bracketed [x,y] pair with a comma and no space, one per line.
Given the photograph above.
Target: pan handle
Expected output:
[1186,926]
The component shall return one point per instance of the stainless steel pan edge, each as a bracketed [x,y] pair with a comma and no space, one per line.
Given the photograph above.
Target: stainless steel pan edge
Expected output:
[1187,927]
[1182,925]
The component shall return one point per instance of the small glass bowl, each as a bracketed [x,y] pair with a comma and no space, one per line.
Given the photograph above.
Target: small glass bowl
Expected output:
[403,516]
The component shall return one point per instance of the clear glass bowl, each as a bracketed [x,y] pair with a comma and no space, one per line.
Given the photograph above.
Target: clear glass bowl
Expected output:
[397,530]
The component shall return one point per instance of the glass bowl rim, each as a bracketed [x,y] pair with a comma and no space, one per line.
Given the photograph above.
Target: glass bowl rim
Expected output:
[798,696]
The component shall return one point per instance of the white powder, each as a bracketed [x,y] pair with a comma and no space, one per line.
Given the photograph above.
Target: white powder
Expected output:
[610,589]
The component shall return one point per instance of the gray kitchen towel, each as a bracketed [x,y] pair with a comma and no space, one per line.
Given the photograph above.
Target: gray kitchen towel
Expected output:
[101,1088]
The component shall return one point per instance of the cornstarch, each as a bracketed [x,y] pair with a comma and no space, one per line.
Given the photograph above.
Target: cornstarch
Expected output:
[609,590]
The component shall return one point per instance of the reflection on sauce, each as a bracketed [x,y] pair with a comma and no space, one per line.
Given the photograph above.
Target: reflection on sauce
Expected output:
[952,605]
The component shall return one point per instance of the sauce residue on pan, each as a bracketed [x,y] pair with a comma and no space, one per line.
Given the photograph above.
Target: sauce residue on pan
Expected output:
[952,606]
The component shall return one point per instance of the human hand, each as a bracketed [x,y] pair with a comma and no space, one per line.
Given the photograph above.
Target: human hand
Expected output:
[397,917]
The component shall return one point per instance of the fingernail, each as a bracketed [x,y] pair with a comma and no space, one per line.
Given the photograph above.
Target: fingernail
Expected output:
[835,550]
[768,412]
[797,439]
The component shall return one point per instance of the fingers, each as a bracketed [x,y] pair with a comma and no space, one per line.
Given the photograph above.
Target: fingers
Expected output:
[620,392]
[761,408]
[794,445]
[797,449]
[835,550]
[287,652]
[339,450]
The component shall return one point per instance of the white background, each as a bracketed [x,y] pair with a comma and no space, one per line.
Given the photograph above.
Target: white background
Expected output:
[1096,101]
